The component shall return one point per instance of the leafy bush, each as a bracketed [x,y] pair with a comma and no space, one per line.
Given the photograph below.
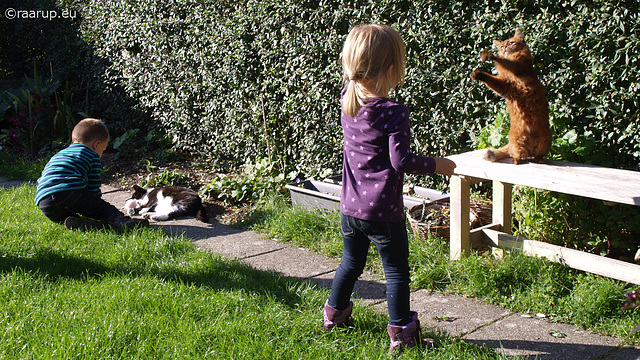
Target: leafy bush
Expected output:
[577,222]
[166,178]
[257,181]
[211,75]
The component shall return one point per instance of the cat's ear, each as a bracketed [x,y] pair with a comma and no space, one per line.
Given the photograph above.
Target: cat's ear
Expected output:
[519,34]
[137,188]
[497,43]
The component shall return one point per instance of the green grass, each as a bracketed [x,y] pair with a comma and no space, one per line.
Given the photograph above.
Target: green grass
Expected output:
[148,295]
[517,282]
[16,167]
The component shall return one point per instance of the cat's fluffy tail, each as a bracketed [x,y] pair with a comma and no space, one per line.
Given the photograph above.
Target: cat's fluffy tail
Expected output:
[494,155]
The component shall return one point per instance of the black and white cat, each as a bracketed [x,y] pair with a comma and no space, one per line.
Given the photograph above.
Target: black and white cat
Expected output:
[166,203]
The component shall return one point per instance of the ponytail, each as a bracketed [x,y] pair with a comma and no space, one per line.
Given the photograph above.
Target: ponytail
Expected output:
[353,98]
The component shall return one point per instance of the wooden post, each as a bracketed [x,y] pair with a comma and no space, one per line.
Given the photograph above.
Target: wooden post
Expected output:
[459,217]
[502,205]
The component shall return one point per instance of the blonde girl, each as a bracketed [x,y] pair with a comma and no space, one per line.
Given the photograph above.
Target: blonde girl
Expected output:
[376,156]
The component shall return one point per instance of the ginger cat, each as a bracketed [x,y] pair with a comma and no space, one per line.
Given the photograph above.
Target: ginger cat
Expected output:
[530,134]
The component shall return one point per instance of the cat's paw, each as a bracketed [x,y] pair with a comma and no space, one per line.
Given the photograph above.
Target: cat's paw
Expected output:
[160,217]
[130,211]
[539,160]
[486,56]
[475,75]
[490,154]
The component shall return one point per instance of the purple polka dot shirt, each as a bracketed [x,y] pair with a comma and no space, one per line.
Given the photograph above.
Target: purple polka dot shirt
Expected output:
[376,156]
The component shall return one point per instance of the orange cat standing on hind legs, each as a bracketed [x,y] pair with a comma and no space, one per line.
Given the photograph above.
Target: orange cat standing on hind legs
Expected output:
[529,135]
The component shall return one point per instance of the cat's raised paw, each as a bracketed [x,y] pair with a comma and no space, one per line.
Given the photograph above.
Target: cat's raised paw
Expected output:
[486,56]
[475,75]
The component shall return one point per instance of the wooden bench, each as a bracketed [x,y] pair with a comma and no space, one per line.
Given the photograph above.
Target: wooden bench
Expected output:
[610,185]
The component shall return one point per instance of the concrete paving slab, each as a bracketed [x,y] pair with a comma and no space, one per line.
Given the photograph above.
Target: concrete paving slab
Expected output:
[114,196]
[6,184]
[369,288]
[538,338]
[293,262]
[456,315]
[628,353]
[236,244]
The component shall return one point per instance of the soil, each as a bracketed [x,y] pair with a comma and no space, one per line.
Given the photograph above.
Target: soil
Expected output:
[123,173]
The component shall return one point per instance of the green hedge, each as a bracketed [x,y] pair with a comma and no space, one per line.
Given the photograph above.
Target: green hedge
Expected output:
[261,79]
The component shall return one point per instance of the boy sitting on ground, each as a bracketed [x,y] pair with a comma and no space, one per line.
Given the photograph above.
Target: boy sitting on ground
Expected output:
[70,183]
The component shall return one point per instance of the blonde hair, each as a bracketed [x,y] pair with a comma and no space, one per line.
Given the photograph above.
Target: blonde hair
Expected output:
[368,53]
[89,130]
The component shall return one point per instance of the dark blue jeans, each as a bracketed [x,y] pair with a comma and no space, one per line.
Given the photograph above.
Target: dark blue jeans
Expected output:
[59,205]
[393,246]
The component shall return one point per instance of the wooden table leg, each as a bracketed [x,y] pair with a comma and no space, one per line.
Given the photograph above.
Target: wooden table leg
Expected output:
[502,205]
[459,217]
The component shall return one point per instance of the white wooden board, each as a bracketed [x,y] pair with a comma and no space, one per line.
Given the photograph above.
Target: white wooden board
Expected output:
[615,185]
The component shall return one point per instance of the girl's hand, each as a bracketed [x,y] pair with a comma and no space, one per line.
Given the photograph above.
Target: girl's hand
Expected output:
[444,166]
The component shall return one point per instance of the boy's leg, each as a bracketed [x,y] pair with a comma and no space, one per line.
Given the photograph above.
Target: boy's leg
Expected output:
[85,203]
[354,258]
[96,207]
[61,207]
[53,210]
[88,204]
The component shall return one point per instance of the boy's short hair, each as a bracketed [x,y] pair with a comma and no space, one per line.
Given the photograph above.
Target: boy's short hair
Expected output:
[89,130]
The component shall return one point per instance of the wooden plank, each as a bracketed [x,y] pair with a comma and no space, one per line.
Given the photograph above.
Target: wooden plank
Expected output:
[502,205]
[616,185]
[459,243]
[575,259]
[477,236]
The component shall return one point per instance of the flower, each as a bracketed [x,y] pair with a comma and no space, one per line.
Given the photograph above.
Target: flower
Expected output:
[632,300]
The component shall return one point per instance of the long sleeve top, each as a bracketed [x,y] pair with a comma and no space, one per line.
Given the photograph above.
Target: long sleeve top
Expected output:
[376,156]
[73,168]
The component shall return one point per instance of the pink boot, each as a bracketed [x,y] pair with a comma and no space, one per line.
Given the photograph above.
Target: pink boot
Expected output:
[407,336]
[334,317]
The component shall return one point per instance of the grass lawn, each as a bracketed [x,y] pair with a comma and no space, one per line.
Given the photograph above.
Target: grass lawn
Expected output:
[147,295]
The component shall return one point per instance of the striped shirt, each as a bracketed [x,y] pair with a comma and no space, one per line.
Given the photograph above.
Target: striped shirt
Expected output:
[76,167]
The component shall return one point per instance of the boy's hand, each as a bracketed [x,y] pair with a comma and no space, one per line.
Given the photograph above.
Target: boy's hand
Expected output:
[444,166]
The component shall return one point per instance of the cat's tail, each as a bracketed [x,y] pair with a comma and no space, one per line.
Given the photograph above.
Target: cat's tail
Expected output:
[494,155]
[202,214]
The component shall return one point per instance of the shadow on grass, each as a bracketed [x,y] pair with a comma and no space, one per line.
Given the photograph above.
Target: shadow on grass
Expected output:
[211,272]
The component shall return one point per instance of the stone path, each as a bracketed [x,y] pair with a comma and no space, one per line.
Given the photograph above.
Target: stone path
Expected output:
[469,319]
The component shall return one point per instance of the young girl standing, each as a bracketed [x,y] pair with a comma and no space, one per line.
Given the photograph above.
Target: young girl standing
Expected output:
[376,157]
